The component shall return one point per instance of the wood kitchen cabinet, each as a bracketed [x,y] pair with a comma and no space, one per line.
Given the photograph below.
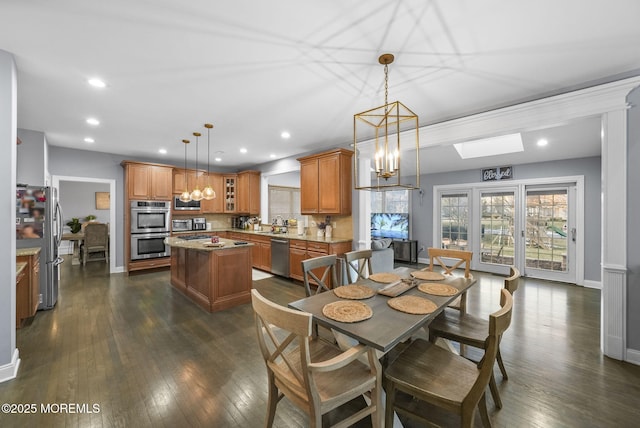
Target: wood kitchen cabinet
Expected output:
[297,253]
[215,205]
[148,181]
[27,288]
[182,180]
[230,190]
[325,183]
[248,192]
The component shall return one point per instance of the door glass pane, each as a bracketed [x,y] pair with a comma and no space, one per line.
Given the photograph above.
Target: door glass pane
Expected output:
[546,230]
[497,228]
[454,219]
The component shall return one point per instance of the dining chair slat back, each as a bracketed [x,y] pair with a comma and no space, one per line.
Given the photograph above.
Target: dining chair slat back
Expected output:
[314,375]
[322,271]
[431,374]
[358,265]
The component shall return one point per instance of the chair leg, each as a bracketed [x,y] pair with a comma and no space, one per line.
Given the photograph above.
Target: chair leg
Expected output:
[388,408]
[272,402]
[494,392]
[503,370]
[484,415]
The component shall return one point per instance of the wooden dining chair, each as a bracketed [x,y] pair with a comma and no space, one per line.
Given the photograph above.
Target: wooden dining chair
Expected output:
[313,375]
[468,329]
[449,261]
[426,373]
[326,265]
[358,263]
[96,240]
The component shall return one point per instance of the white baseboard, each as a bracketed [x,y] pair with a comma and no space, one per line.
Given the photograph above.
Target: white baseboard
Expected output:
[118,269]
[592,284]
[633,356]
[10,371]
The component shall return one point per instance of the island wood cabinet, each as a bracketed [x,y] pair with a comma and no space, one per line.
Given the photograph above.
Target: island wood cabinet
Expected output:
[215,280]
[148,181]
[325,183]
[27,288]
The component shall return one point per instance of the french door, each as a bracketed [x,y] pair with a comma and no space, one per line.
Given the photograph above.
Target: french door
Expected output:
[528,225]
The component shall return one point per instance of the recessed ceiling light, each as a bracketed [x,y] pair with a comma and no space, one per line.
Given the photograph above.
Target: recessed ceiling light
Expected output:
[89,140]
[218,159]
[542,142]
[97,83]
[243,150]
[93,121]
[285,135]
[162,151]
[511,143]
[272,156]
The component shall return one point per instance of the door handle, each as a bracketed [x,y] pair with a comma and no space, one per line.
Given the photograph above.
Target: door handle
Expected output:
[573,234]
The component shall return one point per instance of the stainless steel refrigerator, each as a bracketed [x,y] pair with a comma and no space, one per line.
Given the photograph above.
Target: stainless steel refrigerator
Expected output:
[39,224]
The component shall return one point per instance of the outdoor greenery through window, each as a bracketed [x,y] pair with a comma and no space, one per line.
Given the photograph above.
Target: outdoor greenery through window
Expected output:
[454,218]
[497,228]
[284,201]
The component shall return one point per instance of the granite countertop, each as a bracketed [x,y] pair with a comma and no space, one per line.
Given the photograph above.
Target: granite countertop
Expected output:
[203,244]
[20,266]
[292,235]
[27,251]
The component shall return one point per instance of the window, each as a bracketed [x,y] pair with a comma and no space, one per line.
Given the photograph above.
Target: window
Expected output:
[392,201]
[454,219]
[284,202]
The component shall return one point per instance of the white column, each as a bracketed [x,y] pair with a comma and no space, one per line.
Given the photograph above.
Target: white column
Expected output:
[364,204]
[614,234]
[9,356]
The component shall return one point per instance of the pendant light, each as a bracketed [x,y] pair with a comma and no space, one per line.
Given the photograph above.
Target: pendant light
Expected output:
[186,195]
[196,195]
[391,144]
[208,193]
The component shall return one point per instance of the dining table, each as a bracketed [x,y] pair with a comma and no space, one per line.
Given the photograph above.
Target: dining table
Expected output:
[387,326]
[77,239]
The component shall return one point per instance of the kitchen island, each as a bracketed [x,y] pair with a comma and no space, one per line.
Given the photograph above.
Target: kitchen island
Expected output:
[214,277]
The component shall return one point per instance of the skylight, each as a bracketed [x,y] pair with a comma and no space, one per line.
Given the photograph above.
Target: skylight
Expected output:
[502,145]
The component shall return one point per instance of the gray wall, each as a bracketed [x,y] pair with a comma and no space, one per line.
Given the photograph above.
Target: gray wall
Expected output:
[8,114]
[32,158]
[83,163]
[633,226]
[422,206]
[78,199]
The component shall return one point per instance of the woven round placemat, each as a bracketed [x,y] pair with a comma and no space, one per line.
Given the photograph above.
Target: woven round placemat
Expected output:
[413,305]
[437,289]
[347,311]
[354,292]
[384,277]
[427,275]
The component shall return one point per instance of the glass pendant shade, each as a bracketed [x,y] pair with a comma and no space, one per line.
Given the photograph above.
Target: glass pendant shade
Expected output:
[196,195]
[185,196]
[208,193]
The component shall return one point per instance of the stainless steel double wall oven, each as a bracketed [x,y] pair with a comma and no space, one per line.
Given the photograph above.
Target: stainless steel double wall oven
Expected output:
[150,225]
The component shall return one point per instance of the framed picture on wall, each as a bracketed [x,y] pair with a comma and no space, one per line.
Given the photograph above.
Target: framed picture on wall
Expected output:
[102,200]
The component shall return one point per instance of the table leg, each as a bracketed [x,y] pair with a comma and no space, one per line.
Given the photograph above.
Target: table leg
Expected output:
[75,258]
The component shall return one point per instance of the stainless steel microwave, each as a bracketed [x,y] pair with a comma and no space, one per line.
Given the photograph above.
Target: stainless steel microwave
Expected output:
[179,205]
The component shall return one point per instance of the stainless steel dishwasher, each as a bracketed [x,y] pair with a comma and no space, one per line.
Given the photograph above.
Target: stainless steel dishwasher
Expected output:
[280,257]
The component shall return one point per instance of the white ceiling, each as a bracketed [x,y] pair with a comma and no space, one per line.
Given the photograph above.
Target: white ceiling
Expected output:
[255,68]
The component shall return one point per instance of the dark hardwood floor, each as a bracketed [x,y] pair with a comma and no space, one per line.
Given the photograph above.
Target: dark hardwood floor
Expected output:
[148,357]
